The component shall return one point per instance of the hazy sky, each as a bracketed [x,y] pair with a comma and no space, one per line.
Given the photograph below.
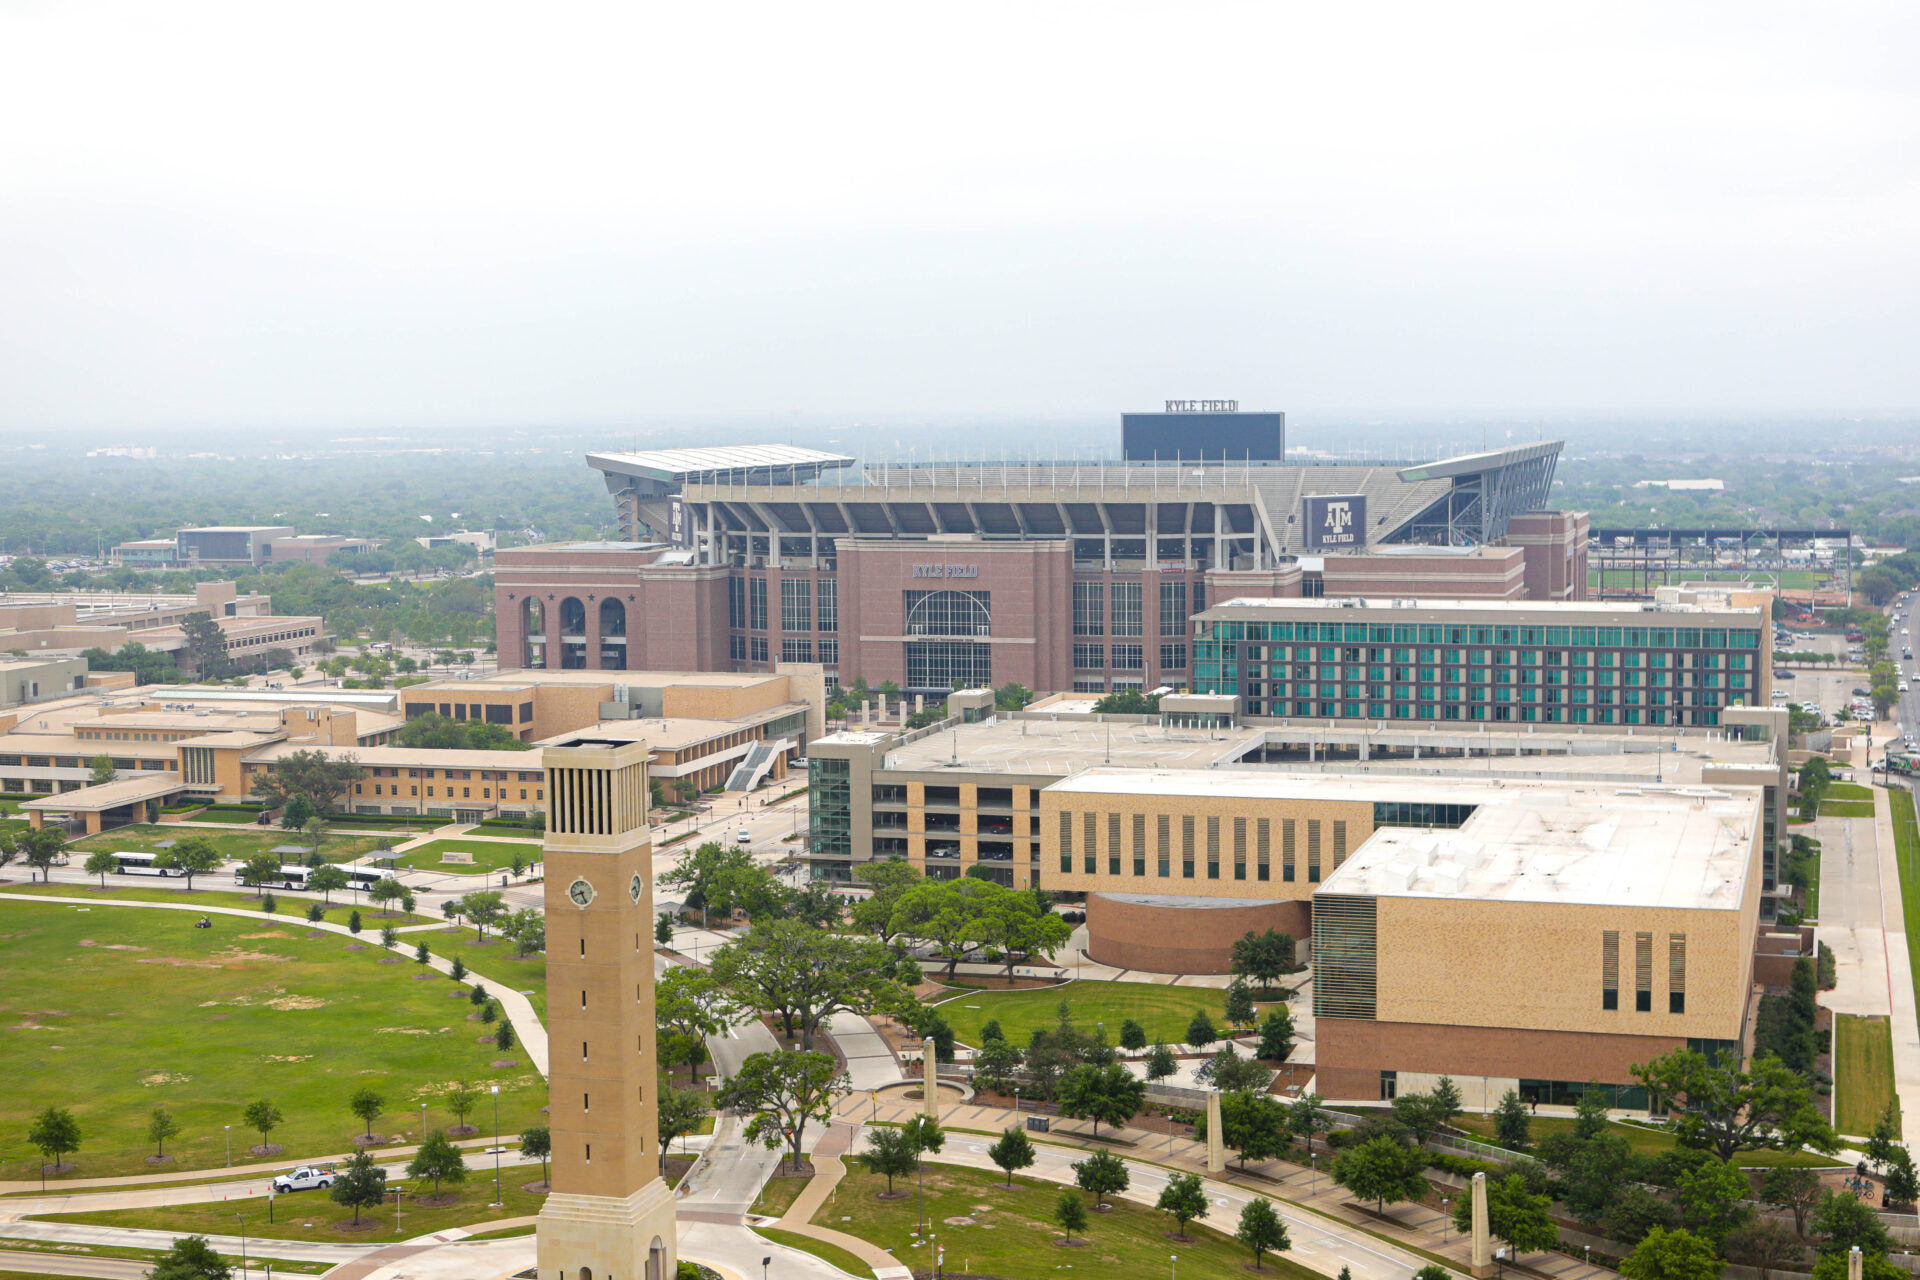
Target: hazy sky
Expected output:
[390,214]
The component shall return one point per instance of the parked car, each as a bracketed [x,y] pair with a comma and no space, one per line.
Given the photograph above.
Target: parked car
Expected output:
[743,836]
[306,1178]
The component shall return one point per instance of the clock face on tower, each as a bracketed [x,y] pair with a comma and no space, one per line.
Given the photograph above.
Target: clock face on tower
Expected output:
[633,889]
[581,892]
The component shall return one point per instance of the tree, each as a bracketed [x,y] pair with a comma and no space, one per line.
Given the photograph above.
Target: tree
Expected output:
[1796,1190]
[354,923]
[1672,1255]
[297,813]
[1012,1150]
[460,1100]
[1446,1100]
[191,856]
[100,862]
[458,970]
[1261,1230]
[1012,696]
[1512,1126]
[1239,1003]
[1727,1110]
[160,1126]
[663,930]
[1161,1063]
[316,912]
[1102,1173]
[269,903]
[783,1091]
[680,1112]
[1133,1036]
[1841,1221]
[1110,1093]
[1231,1073]
[1903,1182]
[439,1159]
[1263,957]
[385,891]
[259,870]
[205,647]
[805,975]
[1276,1035]
[528,929]
[1713,1200]
[1200,1031]
[264,1116]
[103,770]
[420,953]
[1307,1117]
[482,908]
[327,880]
[190,1258]
[1885,1134]
[54,1133]
[368,1106]
[926,1135]
[1383,1171]
[361,1184]
[1184,1197]
[994,1065]
[503,1038]
[1254,1125]
[1524,1220]
[38,849]
[1420,1113]
[689,1005]
[536,1143]
[314,776]
[1432,1271]
[389,936]
[1764,1246]
[1070,1212]
[890,1153]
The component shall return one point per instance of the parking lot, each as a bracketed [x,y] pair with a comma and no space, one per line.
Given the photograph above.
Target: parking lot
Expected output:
[1832,689]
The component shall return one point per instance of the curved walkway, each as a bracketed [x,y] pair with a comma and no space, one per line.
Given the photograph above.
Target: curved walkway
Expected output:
[517,1008]
[828,1170]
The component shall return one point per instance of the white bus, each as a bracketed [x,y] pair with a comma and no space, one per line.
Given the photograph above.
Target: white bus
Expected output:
[141,864]
[296,877]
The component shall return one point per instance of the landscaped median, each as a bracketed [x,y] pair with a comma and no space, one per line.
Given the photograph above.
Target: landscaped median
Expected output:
[1862,1072]
[313,1216]
[1163,1011]
[484,856]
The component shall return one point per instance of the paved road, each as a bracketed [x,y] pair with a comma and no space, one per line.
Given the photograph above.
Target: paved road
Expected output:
[62,1264]
[869,1062]
[728,1181]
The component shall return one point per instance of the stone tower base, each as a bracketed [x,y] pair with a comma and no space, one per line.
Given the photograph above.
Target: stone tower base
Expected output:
[608,1237]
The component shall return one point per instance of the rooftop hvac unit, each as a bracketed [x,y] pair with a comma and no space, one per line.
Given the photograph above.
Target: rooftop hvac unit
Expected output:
[1449,877]
[1396,876]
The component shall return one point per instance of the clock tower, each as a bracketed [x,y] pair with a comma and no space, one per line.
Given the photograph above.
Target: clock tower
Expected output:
[610,1214]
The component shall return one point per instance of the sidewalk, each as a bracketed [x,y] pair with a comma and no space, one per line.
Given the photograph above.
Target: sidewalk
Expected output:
[828,1170]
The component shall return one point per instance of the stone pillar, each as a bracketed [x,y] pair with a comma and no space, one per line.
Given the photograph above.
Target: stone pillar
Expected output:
[1482,1236]
[931,1103]
[1854,1263]
[1216,1136]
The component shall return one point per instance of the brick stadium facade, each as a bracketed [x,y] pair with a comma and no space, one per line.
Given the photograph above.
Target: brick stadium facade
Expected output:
[1082,577]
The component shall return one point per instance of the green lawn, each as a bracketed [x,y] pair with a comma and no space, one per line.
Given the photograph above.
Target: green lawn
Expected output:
[1845,808]
[1848,791]
[486,856]
[153,1255]
[310,1215]
[1862,1070]
[778,1196]
[231,844]
[1011,1233]
[831,1254]
[1164,1011]
[235,817]
[1906,844]
[112,1013]
[291,906]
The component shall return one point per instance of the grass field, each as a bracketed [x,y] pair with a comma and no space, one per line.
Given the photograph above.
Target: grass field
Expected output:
[1163,1010]
[231,844]
[112,1013]
[832,1254]
[1011,1232]
[294,908]
[254,1259]
[310,1215]
[1848,791]
[1845,808]
[778,1196]
[1862,1071]
[1906,844]
[486,856]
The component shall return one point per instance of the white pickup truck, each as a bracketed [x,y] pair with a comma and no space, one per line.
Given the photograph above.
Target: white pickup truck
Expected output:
[305,1178]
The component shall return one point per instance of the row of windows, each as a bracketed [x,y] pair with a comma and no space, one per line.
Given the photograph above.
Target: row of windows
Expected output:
[1479,711]
[466,793]
[1280,654]
[1325,845]
[1125,657]
[1643,989]
[1480,634]
[1256,690]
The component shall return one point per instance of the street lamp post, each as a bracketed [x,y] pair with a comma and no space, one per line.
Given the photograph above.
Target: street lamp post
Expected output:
[229,1129]
[496,1146]
[1446,1223]
[243,1245]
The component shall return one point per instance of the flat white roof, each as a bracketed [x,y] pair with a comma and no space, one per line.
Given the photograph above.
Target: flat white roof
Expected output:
[734,457]
[1608,844]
